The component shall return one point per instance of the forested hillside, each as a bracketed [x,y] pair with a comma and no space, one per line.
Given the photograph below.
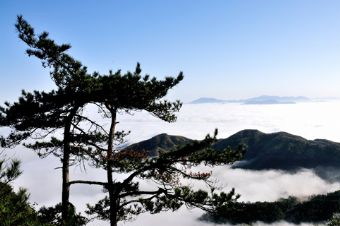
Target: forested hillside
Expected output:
[279,150]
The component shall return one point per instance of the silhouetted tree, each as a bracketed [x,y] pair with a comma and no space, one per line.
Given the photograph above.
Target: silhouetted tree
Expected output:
[14,206]
[166,172]
[130,92]
[51,216]
[9,172]
[42,115]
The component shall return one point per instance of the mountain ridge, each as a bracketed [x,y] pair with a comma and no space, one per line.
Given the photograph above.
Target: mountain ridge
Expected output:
[159,143]
[279,150]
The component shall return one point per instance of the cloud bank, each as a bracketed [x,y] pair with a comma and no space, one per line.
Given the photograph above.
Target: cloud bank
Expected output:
[310,120]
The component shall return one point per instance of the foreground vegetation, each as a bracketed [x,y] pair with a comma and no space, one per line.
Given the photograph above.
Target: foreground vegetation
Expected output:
[318,208]
[16,210]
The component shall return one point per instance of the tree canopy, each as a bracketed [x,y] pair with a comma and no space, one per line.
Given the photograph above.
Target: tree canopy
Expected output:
[14,206]
[44,116]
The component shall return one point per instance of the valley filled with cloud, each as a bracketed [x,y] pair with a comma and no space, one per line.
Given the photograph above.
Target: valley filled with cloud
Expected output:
[310,120]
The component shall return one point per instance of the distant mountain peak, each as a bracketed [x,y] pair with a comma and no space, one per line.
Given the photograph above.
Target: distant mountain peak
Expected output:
[160,142]
[205,100]
[263,99]
[247,132]
[266,99]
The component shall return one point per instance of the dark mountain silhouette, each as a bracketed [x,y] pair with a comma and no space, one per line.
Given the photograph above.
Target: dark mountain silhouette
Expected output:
[279,150]
[162,142]
[282,151]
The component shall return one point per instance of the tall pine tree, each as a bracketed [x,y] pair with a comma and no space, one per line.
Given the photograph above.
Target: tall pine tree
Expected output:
[42,115]
[130,92]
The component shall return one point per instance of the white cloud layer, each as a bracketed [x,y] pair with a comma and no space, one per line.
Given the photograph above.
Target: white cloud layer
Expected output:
[310,120]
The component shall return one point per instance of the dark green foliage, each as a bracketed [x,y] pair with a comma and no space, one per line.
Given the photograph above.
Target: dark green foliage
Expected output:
[67,72]
[15,208]
[334,221]
[239,212]
[52,216]
[132,91]
[9,172]
[318,208]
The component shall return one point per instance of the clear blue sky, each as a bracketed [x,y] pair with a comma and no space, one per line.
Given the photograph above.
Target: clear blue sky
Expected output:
[226,49]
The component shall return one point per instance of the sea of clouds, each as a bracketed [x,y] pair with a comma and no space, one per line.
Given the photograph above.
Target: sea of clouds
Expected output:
[310,120]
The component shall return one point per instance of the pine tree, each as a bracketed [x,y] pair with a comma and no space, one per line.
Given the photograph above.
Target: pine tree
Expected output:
[127,93]
[130,92]
[42,115]
[14,206]
[166,172]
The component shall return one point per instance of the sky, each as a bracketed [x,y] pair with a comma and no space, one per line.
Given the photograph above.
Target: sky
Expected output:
[227,49]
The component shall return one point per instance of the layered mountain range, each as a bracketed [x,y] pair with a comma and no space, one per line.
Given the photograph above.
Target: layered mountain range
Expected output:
[282,151]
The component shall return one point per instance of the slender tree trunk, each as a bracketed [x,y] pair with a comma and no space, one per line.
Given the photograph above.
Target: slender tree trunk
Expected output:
[65,186]
[111,188]
[65,169]
[113,211]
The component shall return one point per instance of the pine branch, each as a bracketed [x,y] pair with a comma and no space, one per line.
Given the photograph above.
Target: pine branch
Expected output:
[87,182]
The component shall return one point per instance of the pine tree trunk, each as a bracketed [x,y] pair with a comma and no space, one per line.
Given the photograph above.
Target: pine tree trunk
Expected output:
[112,196]
[65,188]
[65,175]
[65,169]
[113,210]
